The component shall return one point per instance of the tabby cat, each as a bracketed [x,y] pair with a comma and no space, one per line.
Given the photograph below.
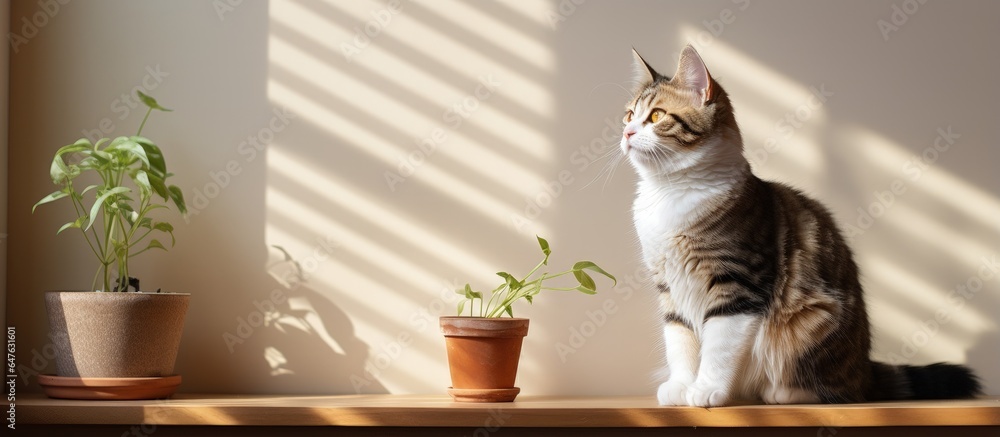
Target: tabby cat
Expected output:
[760,293]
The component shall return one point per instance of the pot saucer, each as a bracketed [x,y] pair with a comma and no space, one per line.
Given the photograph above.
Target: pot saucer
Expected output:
[484,394]
[63,387]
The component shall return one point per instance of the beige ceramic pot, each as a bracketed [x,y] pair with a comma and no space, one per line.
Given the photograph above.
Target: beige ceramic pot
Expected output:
[116,335]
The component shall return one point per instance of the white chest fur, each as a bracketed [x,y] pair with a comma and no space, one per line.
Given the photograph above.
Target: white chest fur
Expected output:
[663,211]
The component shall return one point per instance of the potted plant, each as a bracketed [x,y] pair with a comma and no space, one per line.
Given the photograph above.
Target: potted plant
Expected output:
[115,341]
[484,347]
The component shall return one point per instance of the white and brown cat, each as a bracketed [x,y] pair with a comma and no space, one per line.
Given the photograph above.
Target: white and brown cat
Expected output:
[760,293]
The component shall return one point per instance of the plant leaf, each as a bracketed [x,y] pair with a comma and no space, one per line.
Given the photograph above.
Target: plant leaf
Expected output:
[115,143]
[142,181]
[100,201]
[178,197]
[151,102]
[80,145]
[507,309]
[168,228]
[73,224]
[585,280]
[156,181]
[154,244]
[127,211]
[545,249]
[469,294]
[156,162]
[59,171]
[164,226]
[89,163]
[461,306]
[132,148]
[102,156]
[51,197]
[512,282]
[588,265]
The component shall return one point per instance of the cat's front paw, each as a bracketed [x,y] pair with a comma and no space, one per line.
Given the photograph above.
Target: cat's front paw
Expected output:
[672,392]
[701,394]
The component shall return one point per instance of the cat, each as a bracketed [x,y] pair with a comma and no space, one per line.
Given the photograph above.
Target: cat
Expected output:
[760,294]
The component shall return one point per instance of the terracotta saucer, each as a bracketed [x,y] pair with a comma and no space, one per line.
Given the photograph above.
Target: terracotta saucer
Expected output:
[483,394]
[62,387]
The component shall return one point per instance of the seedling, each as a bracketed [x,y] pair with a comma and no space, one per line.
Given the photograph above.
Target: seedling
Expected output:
[503,297]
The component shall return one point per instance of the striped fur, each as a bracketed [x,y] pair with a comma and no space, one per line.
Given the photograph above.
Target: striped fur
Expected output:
[760,292]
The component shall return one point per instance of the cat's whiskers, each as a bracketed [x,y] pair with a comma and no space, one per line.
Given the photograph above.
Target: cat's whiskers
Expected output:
[617,161]
[664,159]
[608,167]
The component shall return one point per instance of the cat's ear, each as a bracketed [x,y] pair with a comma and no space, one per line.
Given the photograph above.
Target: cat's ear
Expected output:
[692,73]
[642,72]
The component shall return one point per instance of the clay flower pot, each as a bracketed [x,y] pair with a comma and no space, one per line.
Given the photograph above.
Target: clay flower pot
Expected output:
[483,354]
[112,345]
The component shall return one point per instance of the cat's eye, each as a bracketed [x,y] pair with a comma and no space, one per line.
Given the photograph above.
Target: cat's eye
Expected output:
[628,117]
[656,115]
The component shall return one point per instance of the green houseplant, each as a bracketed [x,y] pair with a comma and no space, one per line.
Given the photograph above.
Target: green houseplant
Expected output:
[484,347]
[115,341]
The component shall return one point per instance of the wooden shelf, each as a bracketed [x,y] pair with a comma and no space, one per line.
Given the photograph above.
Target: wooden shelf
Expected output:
[527,411]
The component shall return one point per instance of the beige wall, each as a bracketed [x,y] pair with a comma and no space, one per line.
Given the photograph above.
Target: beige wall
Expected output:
[378,255]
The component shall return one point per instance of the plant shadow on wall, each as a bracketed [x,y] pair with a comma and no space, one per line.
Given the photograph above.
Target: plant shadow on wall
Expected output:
[294,314]
[289,337]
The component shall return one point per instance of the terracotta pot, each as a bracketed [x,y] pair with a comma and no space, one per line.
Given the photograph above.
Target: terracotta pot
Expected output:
[483,354]
[115,335]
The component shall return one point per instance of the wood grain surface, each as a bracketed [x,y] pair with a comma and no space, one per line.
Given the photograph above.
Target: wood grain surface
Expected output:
[527,411]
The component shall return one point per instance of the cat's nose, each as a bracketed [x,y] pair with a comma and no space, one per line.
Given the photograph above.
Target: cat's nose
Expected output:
[628,133]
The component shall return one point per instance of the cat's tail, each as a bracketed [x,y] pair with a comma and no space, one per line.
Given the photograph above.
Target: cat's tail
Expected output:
[935,381]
